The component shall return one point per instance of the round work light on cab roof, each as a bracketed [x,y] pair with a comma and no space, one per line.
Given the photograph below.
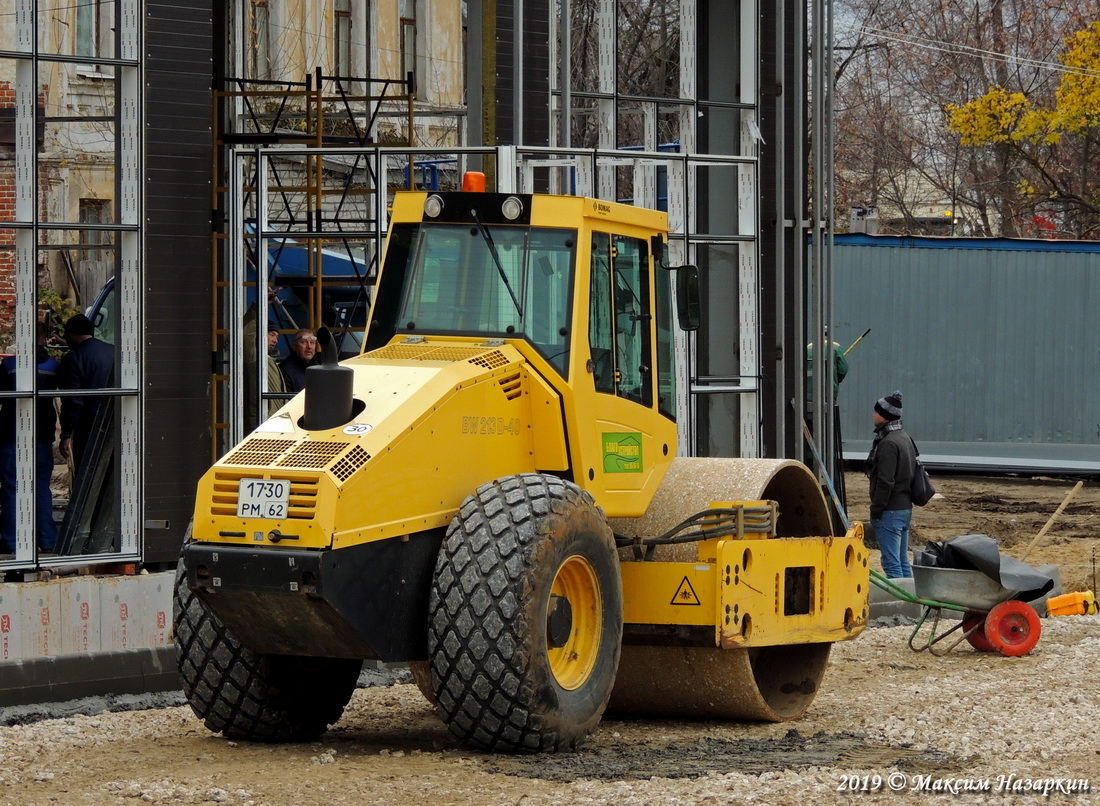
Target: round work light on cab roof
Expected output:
[473,182]
[512,208]
[433,206]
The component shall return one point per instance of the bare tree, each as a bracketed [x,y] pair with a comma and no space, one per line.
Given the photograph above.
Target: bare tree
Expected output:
[647,46]
[900,65]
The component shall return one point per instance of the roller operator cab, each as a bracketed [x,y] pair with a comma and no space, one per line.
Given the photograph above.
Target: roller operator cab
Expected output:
[489,493]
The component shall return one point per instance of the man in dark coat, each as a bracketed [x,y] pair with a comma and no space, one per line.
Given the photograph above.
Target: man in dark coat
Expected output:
[89,364]
[303,354]
[890,467]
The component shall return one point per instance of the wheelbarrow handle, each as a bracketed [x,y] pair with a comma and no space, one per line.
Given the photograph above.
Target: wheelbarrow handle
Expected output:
[881,581]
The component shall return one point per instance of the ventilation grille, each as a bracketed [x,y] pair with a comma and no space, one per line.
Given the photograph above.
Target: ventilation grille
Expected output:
[313,455]
[512,386]
[303,495]
[346,467]
[426,352]
[482,357]
[341,459]
[259,452]
[490,360]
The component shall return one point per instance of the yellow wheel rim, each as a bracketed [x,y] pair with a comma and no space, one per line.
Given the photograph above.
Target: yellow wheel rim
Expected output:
[572,662]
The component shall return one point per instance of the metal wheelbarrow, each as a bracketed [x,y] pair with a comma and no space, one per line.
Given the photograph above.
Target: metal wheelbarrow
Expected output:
[993,621]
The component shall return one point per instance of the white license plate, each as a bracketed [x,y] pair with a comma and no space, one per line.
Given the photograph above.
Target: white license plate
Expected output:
[263,498]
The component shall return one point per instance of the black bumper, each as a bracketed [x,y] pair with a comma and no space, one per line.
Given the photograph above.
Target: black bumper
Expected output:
[368,601]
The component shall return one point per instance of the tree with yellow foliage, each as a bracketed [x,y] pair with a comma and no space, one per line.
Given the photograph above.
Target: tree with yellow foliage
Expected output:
[1056,144]
[900,65]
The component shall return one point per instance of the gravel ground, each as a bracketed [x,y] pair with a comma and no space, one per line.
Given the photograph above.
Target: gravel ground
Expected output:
[889,725]
[893,725]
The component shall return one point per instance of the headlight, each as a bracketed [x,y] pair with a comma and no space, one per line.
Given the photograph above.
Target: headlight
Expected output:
[433,206]
[512,208]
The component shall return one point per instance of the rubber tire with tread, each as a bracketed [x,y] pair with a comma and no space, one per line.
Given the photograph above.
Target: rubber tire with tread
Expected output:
[1013,628]
[977,638]
[487,646]
[247,695]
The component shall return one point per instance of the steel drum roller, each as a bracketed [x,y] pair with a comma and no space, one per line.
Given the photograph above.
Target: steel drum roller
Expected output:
[768,684]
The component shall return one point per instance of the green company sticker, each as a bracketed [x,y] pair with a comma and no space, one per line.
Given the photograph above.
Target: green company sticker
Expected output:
[622,453]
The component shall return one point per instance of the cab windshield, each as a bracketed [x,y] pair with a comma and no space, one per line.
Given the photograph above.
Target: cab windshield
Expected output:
[491,280]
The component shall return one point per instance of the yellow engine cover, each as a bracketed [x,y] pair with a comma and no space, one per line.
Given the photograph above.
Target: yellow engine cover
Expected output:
[435,420]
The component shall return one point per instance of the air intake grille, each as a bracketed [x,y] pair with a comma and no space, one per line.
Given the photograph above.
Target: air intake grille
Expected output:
[512,386]
[259,452]
[490,360]
[425,352]
[303,494]
[346,467]
[338,457]
[313,455]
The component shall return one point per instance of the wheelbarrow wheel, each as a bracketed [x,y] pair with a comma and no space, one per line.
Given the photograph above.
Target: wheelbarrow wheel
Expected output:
[978,639]
[1012,628]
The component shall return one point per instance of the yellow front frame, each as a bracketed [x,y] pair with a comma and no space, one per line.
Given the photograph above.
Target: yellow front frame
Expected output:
[744,592]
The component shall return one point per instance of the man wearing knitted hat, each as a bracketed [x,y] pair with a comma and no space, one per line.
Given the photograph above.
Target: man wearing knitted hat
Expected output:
[890,467]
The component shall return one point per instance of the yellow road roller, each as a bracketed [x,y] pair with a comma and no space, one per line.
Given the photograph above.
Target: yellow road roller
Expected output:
[490,494]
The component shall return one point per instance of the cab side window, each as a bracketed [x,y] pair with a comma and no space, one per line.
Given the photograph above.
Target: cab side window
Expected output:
[666,366]
[600,322]
[619,327]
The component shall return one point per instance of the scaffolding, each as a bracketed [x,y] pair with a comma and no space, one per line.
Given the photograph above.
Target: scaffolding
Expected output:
[322,213]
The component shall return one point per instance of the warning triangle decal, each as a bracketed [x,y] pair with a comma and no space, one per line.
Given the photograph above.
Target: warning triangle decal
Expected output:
[685,595]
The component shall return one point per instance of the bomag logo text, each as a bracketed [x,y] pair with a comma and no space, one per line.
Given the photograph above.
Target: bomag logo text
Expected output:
[599,207]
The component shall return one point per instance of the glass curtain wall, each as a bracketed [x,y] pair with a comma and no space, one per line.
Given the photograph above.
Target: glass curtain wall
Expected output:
[70,246]
[681,78]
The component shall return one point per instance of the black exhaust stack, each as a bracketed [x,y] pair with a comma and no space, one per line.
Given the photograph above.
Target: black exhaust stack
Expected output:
[330,398]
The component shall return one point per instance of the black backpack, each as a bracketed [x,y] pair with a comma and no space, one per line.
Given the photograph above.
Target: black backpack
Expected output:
[920,488]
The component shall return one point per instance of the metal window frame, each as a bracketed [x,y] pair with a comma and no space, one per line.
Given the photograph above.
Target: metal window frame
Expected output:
[29,227]
[681,182]
[253,183]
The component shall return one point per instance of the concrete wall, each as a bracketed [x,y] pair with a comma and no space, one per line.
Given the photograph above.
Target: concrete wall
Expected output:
[80,636]
[70,615]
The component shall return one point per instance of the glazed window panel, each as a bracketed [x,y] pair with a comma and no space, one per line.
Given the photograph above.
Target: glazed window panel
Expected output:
[342,23]
[408,36]
[619,322]
[502,281]
[633,358]
[257,25]
[601,337]
[666,342]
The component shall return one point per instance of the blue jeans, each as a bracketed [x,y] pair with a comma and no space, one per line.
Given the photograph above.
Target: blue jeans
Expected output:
[47,529]
[892,531]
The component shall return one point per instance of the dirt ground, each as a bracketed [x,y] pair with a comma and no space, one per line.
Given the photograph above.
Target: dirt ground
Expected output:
[888,725]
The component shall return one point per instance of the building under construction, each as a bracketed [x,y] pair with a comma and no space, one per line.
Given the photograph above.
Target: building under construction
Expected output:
[182,170]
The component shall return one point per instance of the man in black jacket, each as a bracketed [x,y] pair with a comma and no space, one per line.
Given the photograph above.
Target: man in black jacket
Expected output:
[890,467]
[89,364]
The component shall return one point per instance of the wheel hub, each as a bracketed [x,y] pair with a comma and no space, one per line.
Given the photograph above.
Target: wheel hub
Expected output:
[559,622]
[574,617]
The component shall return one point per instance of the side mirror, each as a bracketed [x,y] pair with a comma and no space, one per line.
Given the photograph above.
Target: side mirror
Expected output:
[687,297]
